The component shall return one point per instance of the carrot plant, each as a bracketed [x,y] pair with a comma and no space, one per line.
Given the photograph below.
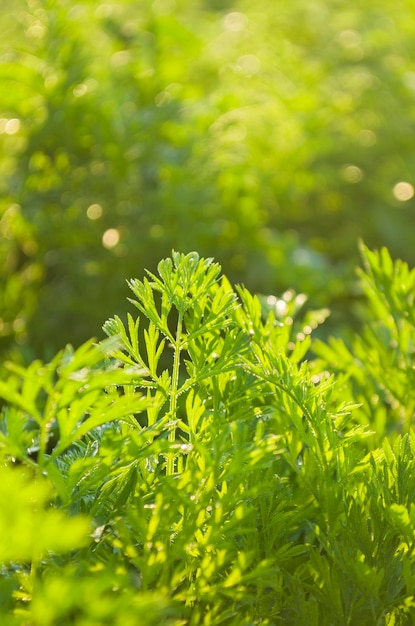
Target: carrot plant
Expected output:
[209,463]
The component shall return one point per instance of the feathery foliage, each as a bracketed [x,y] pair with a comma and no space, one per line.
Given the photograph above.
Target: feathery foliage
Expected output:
[201,467]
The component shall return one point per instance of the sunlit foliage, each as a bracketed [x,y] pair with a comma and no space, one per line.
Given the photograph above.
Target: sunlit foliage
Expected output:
[270,135]
[195,468]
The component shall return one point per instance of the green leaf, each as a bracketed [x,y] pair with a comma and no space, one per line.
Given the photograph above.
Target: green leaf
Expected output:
[28,528]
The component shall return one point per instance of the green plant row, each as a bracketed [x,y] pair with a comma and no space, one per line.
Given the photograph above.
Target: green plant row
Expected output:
[269,136]
[209,463]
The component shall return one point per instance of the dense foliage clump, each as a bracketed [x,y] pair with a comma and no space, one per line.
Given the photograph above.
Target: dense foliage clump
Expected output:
[210,463]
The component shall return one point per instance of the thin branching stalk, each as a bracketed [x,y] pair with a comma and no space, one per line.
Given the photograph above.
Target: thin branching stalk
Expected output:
[174,391]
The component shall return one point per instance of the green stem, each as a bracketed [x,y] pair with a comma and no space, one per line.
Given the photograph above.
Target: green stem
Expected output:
[174,391]
[43,440]
[44,431]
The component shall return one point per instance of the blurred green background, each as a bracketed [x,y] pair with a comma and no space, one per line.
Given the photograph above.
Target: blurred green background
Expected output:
[270,135]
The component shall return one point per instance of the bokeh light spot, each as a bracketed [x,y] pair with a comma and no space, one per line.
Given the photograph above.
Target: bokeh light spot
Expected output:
[156,231]
[163,7]
[94,212]
[120,58]
[104,10]
[110,238]
[281,307]
[367,138]
[162,98]
[349,37]
[249,64]
[19,325]
[403,191]
[409,80]
[80,90]
[9,127]
[352,174]
[235,21]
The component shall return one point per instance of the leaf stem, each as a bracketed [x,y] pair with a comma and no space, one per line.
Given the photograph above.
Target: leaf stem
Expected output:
[174,391]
